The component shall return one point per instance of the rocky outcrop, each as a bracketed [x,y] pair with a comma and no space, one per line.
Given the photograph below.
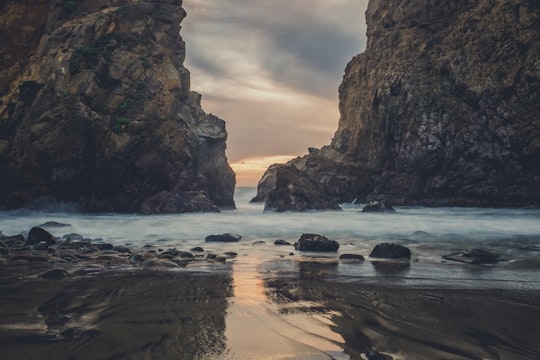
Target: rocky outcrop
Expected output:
[441,108]
[96,108]
[285,189]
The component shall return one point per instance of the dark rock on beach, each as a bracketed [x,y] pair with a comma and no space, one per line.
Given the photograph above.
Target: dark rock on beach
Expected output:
[390,251]
[37,235]
[317,243]
[54,274]
[356,257]
[282,242]
[474,257]
[227,237]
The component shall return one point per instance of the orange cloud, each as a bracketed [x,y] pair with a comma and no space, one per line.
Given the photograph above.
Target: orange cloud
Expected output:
[250,170]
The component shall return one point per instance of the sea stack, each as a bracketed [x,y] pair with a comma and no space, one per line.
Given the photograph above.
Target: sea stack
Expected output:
[442,108]
[96,109]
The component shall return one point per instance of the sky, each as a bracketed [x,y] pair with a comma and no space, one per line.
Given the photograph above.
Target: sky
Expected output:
[271,69]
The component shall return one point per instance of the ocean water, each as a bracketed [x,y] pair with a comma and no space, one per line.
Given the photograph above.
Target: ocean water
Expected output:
[430,233]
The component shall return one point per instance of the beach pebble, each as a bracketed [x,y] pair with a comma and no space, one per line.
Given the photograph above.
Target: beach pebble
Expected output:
[122,249]
[185,254]
[104,246]
[390,251]
[136,257]
[282,242]
[259,242]
[41,246]
[54,274]
[474,257]
[73,237]
[197,249]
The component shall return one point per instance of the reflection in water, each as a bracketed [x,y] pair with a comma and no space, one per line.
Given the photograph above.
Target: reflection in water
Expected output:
[153,315]
[256,328]
[391,268]
[421,323]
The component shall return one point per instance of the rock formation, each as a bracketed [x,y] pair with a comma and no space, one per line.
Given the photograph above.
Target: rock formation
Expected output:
[442,108]
[96,108]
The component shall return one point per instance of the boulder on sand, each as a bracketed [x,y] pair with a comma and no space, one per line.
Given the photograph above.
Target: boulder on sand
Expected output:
[315,242]
[390,251]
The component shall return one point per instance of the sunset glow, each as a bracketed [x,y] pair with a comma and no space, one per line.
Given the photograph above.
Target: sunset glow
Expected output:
[249,171]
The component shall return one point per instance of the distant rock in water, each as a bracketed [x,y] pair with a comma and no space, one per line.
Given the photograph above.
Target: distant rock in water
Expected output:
[440,109]
[378,206]
[287,190]
[475,257]
[96,109]
[223,238]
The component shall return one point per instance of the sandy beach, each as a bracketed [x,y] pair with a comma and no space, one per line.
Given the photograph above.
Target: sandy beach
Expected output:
[245,308]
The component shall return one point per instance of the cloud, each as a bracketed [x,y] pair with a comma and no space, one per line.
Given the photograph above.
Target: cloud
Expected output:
[271,68]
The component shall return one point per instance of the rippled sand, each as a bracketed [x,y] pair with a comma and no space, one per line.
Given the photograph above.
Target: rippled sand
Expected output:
[249,309]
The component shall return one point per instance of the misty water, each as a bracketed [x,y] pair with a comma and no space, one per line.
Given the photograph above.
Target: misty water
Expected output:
[430,233]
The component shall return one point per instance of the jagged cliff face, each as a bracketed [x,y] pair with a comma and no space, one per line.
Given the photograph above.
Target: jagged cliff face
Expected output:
[443,106]
[96,108]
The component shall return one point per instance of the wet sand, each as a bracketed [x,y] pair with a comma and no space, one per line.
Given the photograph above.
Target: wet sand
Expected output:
[249,309]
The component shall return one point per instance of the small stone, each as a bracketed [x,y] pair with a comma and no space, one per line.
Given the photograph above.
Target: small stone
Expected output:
[73,237]
[282,242]
[356,257]
[171,252]
[223,238]
[197,249]
[136,257]
[259,242]
[122,249]
[41,246]
[185,254]
[54,274]
[104,246]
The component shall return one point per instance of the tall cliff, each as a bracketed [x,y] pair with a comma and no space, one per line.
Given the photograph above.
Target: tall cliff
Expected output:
[96,108]
[442,108]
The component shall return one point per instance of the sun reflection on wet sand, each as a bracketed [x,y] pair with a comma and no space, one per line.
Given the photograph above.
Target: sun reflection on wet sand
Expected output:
[256,328]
